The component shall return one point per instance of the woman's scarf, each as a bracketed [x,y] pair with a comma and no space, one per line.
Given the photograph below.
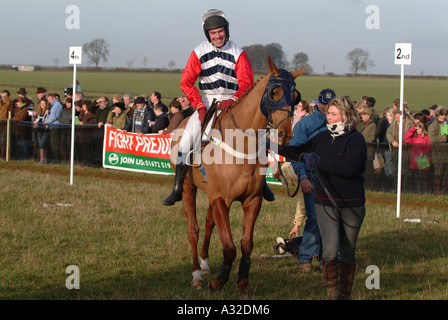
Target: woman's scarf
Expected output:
[340,128]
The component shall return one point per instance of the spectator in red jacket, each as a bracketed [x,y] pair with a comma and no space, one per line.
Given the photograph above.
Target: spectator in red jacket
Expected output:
[421,148]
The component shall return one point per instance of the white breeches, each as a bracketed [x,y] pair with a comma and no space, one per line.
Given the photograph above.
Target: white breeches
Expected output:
[191,137]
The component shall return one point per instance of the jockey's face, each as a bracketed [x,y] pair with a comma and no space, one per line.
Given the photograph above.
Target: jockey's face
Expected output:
[218,37]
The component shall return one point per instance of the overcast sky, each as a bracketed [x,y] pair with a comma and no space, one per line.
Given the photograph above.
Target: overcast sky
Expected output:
[35,32]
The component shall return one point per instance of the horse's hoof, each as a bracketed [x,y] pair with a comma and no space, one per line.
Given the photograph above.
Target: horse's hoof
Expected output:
[215,285]
[243,293]
[198,284]
[205,272]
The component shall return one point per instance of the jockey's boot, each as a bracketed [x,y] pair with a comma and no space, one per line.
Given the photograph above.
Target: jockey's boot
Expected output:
[268,195]
[176,194]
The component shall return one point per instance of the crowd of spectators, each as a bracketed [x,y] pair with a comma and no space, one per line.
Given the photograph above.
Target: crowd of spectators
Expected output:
[424,138]
[42,128]
[422,134]
[50,117]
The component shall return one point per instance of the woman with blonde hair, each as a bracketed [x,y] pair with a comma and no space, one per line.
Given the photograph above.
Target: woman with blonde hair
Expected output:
[43,135]
[338,155]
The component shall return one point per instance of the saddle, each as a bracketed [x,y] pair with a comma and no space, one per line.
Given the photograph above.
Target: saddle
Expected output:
[209,115]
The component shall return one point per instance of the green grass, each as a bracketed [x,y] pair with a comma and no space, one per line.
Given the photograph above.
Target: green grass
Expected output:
[127,245]
[420,93]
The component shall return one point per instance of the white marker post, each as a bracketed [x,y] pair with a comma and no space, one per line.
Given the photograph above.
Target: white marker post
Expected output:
[75,54]
[403,53]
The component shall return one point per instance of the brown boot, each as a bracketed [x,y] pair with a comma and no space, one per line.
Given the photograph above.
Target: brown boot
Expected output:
[347,276]
[330,275]
[305,267]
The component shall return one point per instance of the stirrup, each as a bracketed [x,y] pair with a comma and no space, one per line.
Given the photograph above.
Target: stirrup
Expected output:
[187,159]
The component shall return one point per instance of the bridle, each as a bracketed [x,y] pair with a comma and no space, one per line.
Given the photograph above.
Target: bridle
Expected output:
[286,81]
[268,105]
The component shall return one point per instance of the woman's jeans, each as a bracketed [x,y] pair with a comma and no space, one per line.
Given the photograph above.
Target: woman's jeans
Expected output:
[339,233]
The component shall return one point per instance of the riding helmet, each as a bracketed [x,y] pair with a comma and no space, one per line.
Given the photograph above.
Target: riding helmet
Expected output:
[213,19]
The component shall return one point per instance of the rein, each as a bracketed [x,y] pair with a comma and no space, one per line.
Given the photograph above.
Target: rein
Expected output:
[318,176]
[270,109]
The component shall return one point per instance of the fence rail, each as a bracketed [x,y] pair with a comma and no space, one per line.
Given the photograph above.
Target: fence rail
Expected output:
[53,145]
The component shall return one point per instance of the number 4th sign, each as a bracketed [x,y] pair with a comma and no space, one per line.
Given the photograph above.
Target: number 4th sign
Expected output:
[75,55]
[403,53]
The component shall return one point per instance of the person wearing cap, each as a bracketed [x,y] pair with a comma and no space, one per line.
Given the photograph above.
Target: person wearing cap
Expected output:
[29,103]
[432,113]
[367,127]
[370,102]
[438,134]
[304,131]
[119,117]
[21,133]
[101,109]
[142,114]
[41,93]
[223,72]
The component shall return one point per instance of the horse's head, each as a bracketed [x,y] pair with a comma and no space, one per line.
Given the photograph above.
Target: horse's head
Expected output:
[277,103]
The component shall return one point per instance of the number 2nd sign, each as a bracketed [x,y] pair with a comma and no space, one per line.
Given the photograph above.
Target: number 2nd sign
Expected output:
[403,53]
[75,55]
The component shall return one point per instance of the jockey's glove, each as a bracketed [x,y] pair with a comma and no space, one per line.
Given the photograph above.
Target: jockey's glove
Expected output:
[201,112]
[225,105]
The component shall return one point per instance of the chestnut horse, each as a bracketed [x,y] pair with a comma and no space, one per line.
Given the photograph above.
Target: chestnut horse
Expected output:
[227,175]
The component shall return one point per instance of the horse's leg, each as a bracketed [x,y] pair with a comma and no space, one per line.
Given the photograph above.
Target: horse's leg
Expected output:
[251,211]
[221,218]
[209,225]
[189,206]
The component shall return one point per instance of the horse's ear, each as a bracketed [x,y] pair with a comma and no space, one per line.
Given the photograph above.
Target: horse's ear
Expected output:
[299,72]
[272,67]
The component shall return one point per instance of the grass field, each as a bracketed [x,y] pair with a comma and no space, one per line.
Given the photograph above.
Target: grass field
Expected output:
[420,93]
[129,246]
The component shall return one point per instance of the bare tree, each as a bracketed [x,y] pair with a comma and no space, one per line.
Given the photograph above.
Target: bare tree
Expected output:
[171,64]
[299,61]
[96,50]
[130,63]
[359,60]
[145,61]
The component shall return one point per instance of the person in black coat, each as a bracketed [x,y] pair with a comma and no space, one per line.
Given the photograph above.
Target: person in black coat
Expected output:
[159,124]
[338,155]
